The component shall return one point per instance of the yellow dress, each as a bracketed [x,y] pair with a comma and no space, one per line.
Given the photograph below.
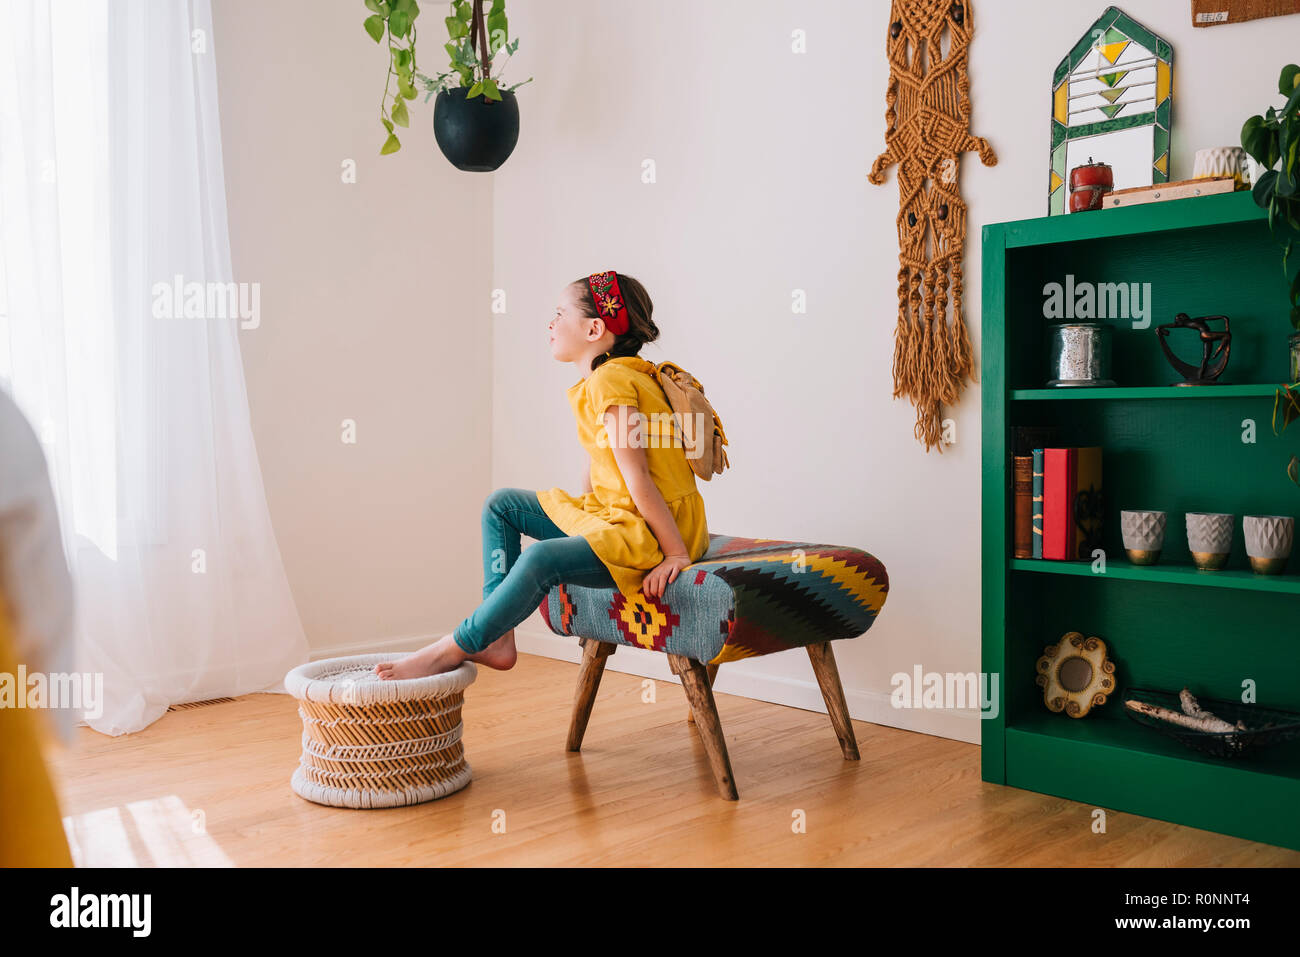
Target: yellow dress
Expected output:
[606,516]
[31,828]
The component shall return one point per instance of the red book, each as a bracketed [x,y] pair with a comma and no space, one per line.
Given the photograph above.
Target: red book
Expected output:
[1059,470]
[1072,503]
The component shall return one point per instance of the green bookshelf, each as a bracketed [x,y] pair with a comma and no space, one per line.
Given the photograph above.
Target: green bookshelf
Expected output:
[1178,449]
[1144,392]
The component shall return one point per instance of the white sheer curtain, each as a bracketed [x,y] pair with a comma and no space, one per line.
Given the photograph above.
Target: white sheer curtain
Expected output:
[111,186]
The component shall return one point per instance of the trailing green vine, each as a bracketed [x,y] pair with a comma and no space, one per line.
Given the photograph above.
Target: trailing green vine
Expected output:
[474,39]
[395,19]
[1286,405]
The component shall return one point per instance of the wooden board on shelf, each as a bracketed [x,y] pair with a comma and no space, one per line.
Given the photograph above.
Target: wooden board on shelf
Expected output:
[1163,192]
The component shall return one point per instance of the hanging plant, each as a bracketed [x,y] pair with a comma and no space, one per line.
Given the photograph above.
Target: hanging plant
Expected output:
[471,54]
[474,41]
[395,19]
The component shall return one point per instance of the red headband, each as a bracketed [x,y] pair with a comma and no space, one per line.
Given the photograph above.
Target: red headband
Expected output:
[609,300]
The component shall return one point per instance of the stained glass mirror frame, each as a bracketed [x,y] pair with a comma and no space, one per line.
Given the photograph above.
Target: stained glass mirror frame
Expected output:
[1104,102]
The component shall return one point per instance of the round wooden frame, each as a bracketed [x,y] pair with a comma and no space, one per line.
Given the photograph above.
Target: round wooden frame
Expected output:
[1089,676]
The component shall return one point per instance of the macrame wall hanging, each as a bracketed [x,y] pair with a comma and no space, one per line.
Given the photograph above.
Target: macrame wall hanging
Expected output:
[927,129]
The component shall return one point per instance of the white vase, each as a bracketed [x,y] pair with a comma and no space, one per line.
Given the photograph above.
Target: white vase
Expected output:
[1268,542]
[1209,538]
[1143,533]
[1221,161]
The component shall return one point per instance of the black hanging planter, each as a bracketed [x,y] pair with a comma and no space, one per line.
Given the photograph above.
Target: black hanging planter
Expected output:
[476,135]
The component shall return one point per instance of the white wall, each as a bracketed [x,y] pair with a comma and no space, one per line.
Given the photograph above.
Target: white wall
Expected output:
[761,158]
[374,305]
[376,308]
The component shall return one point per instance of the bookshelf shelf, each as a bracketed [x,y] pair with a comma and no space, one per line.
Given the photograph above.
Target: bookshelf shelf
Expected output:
[1114,729]
[1170,574]
[1108,760]
[1225,391]
[1168,625]
[1222,209]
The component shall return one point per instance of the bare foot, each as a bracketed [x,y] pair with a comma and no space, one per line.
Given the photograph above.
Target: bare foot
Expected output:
[501,654]
[445,655]
[433,659]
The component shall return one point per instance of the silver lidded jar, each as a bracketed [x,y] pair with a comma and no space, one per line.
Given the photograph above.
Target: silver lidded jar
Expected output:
[1079,354]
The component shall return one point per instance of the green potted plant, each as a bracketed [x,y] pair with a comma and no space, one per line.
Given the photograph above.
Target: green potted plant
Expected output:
[476,123]
[1269,538]
[1286,406]
[1273,141]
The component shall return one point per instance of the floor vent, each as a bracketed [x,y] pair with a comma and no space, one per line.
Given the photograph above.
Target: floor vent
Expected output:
[191,705]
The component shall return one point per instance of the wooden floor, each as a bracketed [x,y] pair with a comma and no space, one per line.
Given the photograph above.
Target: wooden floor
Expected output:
[210,786]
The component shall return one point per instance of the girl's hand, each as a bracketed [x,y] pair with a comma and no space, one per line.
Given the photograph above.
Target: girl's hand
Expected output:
[652,586]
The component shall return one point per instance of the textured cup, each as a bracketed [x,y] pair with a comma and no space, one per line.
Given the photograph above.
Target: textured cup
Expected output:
[1221,161]
[1144,535]
[1209,538]
[1268,542]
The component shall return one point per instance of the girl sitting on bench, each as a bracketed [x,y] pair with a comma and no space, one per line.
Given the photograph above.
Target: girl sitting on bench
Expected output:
[638,523]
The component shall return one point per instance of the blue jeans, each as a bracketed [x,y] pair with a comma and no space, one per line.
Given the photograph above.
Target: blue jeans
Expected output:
[514,584]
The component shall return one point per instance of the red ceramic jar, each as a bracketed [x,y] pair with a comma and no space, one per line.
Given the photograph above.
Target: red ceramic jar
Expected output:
[1092,174]
[1089,184]
[1082,200]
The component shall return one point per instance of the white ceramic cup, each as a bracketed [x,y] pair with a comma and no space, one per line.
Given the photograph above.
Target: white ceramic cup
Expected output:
[1221,161]
[1269,539]
[1209,538]
[1143,532]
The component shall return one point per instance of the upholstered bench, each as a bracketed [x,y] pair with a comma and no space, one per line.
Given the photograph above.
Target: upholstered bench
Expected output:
[745,597]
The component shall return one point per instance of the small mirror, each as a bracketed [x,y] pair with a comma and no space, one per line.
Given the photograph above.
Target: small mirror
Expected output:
[1075,674]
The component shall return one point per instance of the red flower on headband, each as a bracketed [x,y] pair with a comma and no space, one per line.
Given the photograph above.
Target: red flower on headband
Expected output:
[609,302]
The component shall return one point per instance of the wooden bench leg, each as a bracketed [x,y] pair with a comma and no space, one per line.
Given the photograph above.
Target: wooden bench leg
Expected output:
[594,654]
[828,677]
[695,681]
[713,674]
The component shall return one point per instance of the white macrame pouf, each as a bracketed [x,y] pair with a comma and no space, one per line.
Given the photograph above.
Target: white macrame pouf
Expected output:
[370,743]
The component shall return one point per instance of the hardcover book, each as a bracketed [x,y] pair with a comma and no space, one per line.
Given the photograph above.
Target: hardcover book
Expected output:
[1023,531]
[1073,510]
[1038,504]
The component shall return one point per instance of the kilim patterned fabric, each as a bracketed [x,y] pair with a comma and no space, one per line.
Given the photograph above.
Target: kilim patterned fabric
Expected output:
[745,597]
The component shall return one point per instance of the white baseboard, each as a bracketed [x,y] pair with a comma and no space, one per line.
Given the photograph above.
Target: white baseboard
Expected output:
[871,706]
[395,645]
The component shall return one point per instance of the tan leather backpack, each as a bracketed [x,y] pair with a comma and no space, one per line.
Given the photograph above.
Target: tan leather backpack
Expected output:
[698,424]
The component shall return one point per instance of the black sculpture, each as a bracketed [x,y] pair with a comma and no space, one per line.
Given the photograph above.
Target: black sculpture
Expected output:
[1213,359]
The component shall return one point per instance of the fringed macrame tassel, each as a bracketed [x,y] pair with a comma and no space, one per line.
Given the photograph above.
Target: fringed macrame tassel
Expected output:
[946,388]
[929,424]
[916,343]
[902,333]
[928,370]
[927,114]
[964,354]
